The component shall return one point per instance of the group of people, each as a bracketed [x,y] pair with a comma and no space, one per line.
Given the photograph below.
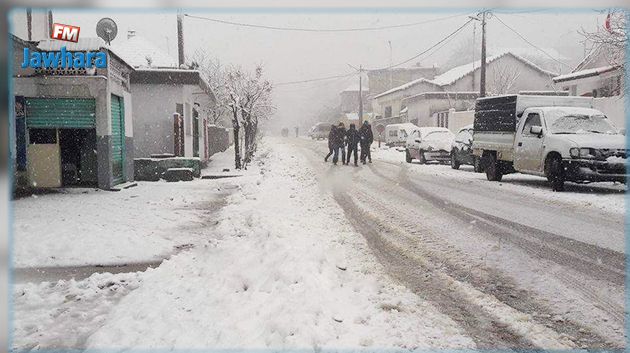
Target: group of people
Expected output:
[339,138]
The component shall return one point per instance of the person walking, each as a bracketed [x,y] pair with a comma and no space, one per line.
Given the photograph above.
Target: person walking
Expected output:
[331,137]
[353,143]
[367,137]
[339,144]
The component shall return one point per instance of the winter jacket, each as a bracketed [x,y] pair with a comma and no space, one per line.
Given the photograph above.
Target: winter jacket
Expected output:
[353,137]
[340,134]
[367,137]
[331,137]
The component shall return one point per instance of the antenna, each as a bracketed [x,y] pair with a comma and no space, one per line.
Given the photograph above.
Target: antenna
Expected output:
[106,29]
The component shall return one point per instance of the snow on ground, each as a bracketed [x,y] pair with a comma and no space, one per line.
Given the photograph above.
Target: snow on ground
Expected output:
[286,270]
[63,314]
[609,197]
[90,226]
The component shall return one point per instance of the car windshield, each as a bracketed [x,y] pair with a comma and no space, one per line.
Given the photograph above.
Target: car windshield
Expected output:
[578,122]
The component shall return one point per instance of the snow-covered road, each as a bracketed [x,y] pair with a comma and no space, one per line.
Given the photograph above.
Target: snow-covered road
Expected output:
[525,266]
[306,255]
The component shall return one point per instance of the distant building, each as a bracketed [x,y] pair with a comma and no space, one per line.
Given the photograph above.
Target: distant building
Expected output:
[349,98]
[596,76]
[600,77]
[386,79]
[160,89]
[505,73]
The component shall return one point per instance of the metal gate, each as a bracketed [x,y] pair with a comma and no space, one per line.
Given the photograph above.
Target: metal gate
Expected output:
[53,113]
[118,138]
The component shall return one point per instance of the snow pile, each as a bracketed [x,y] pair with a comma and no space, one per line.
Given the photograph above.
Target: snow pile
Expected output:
[287,271]
[63,314]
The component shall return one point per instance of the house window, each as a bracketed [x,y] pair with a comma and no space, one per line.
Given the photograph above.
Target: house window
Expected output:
[388,111]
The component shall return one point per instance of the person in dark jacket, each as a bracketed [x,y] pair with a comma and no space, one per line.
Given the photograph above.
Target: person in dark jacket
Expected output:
[367,137]
[353,138]
[339,144]
[331,137]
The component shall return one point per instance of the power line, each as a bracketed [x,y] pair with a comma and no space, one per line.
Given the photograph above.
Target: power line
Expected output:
[299,29]
[315,79]
[530,43]
[428,49]
[443,40]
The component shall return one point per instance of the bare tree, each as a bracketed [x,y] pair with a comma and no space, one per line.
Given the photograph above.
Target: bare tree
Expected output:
[249,101]
[611,37]
[503,78]
[215,74]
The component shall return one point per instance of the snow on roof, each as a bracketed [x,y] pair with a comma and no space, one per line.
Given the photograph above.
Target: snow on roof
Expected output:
[584,73]
[456,73]
[141,53]
[404,110]
[404,87]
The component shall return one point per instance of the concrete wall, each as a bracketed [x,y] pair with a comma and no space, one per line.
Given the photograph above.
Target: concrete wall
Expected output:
[613,108]
[395,99]
[154,105]
[457,120]
[423,109]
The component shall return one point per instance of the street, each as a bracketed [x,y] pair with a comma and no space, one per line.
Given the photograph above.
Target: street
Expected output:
[474,252]
[391,255]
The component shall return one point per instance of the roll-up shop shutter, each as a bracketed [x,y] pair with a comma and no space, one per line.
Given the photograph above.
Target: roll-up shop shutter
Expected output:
[62,113]
[118,138]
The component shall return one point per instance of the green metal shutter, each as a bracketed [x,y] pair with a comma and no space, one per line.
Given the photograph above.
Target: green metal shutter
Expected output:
[118,138]
[69,113]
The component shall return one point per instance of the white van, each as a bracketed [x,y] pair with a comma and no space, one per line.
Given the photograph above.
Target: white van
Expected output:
[396,134]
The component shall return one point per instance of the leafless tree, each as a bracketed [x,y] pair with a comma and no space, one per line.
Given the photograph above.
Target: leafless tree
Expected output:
[215,75]
[503,78]
[249,101]
[611,37]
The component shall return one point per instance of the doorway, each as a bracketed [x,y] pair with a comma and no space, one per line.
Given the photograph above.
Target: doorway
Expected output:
[78,157]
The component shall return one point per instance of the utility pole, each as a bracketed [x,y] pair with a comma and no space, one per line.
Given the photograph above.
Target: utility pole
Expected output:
[180,38]
[473,54]
[482,79]
[360,97]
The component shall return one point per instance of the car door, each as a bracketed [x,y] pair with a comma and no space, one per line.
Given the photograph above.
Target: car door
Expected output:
[529,147]
[463,142]
[412,143]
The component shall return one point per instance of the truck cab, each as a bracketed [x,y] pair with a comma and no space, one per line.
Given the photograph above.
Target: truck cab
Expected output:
[560,138]
[569,144]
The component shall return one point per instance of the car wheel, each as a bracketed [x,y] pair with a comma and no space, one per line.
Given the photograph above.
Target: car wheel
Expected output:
[421,158]
[454,161]
[555,173]
[493,168]
[477,165]
[408,156]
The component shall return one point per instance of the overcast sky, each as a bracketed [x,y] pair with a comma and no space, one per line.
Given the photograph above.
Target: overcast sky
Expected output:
[292,56]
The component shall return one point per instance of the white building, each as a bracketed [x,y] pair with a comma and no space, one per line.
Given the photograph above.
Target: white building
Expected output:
[505,73]
[159,90]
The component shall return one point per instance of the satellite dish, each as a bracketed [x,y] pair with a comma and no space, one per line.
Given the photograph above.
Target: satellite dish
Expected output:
[106,29]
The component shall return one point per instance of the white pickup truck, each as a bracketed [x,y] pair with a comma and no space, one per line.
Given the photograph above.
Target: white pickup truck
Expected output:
[560,138]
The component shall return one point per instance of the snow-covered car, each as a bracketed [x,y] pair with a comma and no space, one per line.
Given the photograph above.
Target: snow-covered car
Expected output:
[429,144]
[461,150]
[320,131]
[397,134]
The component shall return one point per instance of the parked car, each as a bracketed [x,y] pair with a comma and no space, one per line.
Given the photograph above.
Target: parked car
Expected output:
[560,138]
[429,144]
[461,150]
[320,131]
[397,134]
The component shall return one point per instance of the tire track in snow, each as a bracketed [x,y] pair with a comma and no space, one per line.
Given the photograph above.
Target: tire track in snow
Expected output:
[492,284]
